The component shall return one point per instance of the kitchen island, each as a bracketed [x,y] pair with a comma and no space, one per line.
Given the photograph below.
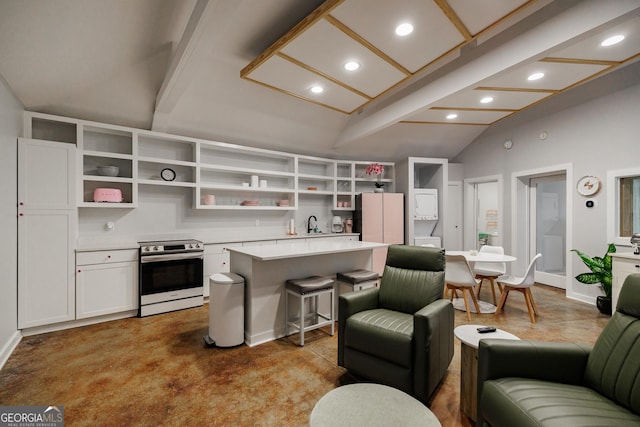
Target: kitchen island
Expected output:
[266,268]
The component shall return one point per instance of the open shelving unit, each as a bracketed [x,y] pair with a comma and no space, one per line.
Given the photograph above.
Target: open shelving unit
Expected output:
[227,176]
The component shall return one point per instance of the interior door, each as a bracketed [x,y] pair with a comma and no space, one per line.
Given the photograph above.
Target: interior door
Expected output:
[453,232]
[547,201]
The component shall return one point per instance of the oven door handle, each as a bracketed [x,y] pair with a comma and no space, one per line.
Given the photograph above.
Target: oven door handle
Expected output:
[170,257]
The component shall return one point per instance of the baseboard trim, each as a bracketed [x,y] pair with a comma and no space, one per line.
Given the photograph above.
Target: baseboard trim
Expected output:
[77,323]
[8,348]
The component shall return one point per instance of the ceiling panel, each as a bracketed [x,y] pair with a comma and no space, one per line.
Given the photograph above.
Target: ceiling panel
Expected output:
[557,75]
[434,34]
[501,99]
[327,49]
[590,48]
[289,78]
[463,116]
[477,18]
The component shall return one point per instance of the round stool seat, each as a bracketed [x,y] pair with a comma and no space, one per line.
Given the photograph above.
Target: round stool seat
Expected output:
[357,276]
[309,284]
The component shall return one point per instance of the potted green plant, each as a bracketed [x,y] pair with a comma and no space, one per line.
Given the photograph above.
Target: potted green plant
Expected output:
[600,273]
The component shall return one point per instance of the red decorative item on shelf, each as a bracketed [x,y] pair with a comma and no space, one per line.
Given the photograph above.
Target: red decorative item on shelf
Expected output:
[378,170]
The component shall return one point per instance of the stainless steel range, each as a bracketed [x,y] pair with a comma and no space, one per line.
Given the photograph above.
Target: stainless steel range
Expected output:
[170,276]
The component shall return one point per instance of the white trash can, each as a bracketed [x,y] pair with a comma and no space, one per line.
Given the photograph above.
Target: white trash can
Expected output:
[226,310]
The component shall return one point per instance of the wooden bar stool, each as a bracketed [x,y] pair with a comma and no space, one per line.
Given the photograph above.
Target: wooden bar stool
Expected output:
[310,287]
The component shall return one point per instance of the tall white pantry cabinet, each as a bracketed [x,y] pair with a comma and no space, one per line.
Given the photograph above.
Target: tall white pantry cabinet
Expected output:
[46,232]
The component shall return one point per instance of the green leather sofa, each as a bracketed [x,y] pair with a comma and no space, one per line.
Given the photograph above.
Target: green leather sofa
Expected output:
[525,383]
[400,334]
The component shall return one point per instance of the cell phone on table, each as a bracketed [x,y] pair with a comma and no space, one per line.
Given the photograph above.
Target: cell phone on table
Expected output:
[486,329]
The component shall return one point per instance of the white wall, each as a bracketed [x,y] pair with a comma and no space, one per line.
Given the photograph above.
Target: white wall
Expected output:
[593,136]
[167,212]
[10,129]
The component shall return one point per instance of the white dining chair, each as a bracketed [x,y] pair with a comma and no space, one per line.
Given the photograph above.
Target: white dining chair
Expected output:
[520,284]
[458,276]
[490,270]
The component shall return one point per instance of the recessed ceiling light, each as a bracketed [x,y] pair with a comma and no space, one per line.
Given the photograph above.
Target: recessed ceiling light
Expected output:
[404,29]
[317,89]
[612,40]
[486,100]
[452,116]
[351,66]
[535,76]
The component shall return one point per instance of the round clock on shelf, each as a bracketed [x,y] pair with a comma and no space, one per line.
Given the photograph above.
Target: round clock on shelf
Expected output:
[168,174]
[589,185]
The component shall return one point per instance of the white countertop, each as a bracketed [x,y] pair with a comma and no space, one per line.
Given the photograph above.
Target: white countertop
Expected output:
[273,252]
[101,243]
[627,255]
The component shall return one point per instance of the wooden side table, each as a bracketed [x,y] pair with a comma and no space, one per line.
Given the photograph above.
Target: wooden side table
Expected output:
[470,339]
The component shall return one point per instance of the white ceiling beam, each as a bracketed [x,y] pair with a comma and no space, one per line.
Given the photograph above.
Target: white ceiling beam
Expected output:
[572,23]
[188,57]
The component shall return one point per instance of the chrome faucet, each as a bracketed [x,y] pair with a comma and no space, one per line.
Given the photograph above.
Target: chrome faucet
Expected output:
[309,228]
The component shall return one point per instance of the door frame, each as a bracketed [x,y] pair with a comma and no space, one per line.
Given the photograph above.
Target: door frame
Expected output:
[470,227]
[521,218]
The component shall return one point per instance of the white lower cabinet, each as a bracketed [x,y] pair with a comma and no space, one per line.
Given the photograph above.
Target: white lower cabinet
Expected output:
[624,264]
[45,267]
[106,282]
[216,260]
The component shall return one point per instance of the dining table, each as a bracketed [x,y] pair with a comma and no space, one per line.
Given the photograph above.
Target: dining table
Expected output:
[476,256]
[473,257]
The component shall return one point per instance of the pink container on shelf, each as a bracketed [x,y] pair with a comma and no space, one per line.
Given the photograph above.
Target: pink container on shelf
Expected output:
[108,195]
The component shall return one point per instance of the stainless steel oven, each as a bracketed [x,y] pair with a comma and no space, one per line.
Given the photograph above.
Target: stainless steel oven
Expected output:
[170,276]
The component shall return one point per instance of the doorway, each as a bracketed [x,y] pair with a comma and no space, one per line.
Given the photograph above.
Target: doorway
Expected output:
[453,232]
[548,224]
[541,201]
[483,212]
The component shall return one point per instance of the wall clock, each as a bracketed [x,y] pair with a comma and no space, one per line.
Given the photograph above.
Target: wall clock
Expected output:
[589,185]
[168,174]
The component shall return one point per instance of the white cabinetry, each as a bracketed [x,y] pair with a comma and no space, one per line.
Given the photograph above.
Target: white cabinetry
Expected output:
[623,265]
[157,152]
[106,282]
[46,232]
[223,176]
[244,178]
[216,260]
[106,146]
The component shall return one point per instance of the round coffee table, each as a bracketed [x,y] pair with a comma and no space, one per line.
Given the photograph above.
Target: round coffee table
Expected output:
[470,339]
[370,405]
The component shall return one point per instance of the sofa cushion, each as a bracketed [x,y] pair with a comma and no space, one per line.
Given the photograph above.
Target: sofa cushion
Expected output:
[526,402]
[613,367]
[382,333]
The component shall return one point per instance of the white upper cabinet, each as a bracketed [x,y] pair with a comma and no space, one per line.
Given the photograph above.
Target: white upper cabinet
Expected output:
[46,169]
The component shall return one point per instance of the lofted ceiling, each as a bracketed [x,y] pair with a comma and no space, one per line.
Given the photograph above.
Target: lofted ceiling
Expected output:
[240,70]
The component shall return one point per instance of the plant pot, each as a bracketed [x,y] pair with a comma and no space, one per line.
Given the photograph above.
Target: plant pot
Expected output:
[604,305]
[378,190]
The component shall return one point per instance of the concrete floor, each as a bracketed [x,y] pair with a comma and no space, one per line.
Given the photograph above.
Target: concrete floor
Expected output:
[157,371]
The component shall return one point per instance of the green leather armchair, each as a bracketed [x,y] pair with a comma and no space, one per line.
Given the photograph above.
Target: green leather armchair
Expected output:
[400,334]
[525,383]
